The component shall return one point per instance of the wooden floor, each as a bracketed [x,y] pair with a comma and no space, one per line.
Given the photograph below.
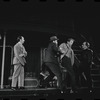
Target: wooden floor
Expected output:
[49,94]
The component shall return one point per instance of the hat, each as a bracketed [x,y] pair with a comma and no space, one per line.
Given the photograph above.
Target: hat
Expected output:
[53,38]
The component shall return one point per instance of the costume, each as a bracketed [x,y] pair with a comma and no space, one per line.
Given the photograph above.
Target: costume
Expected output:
[51,60]
[85,65]
[18,62]
[67,61]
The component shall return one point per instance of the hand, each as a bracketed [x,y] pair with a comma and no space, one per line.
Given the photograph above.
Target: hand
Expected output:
[21,55]
[23,64]
[25,54]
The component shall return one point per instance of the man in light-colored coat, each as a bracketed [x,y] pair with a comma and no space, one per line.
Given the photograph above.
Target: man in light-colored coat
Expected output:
[19,62]
[67,61]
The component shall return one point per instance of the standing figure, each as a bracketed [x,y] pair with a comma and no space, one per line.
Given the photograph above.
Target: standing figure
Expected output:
[67,61]
[86,63]
[51,59]
[19,63]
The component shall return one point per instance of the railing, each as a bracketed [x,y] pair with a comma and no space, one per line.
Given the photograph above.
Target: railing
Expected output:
[3,61]
[8,46]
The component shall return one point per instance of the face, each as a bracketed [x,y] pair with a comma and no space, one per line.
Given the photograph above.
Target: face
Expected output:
[22,40]
[56,41]
[84,46]
[71,42]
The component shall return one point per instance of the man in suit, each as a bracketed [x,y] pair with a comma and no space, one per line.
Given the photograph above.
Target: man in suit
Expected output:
[51,59]
[19,63]
[67,61]
[86,63]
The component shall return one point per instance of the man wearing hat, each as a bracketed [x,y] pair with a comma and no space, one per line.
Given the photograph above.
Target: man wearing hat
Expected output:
[51,59]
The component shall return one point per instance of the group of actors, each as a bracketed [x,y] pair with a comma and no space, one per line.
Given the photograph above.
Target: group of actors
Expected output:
[56,57]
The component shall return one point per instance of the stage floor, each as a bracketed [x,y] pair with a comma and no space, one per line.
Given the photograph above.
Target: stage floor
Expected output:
[47,93]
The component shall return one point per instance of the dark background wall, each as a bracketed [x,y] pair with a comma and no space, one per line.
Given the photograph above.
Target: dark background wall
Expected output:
[68,17]
[37,20]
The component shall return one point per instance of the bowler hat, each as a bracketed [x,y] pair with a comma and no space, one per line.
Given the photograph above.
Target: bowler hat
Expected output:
[53,38]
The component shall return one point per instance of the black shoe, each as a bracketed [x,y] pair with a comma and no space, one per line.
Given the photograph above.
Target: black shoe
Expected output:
[73,91]
[90,91]
[21,88]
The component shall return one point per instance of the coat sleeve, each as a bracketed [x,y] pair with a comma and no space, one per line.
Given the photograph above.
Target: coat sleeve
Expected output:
[63,48]
[55,48]
[25,52]
[90,56]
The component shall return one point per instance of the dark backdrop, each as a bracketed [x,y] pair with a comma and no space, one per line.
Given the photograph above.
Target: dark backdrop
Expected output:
[37,21]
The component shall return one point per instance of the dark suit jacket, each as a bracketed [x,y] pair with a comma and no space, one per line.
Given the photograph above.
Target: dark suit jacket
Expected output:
[87,56]
[51,53]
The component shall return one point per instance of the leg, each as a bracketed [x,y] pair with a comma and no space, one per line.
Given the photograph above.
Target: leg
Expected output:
[73,81]
[56,70]
[15,75]
[77,76]
[66,62]
[48,79]
[88,77]
[21,77]
[45,82]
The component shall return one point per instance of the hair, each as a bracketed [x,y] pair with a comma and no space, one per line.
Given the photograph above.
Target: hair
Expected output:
[19,37]
[70,39]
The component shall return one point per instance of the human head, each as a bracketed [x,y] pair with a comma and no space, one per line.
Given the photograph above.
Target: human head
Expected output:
[20,39]
[85,45]
[70,41]
[54,39]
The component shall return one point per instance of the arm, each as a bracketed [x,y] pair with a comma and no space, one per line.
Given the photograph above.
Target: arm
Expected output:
[17,54]
[24,54]
[63,48]
[90,56]
[55,47]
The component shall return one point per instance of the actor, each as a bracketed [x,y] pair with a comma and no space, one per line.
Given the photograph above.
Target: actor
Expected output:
[19,63]
[67,61]
[51,59]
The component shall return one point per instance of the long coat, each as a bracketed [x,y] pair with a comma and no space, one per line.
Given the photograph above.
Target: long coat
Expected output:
[51,53]
[67,51]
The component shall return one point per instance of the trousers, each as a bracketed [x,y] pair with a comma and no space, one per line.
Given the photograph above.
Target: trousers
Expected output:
[56,70]
[66,63]
[18,76]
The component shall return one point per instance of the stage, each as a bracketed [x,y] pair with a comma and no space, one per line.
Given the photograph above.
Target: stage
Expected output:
[48,94]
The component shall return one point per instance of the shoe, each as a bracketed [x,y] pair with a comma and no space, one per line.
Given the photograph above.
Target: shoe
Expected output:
[62,91]
[73,91]
[21,88]
[41,86]
[14,88]
[90,91]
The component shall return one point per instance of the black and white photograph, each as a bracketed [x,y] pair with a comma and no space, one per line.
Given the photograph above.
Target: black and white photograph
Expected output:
[49,50]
